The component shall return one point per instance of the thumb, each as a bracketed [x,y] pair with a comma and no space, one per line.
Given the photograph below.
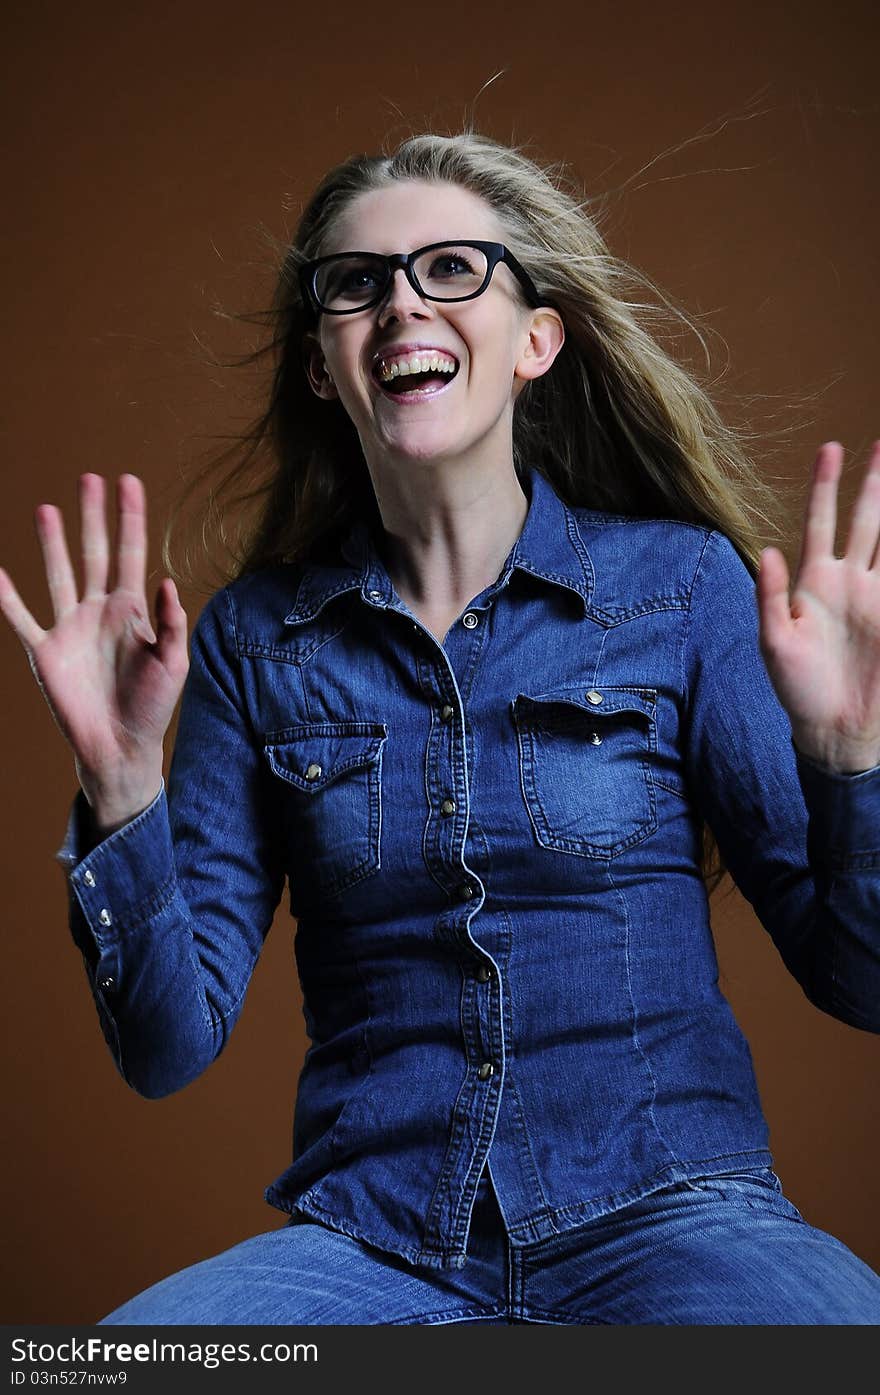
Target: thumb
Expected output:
[171,621]
[773,598]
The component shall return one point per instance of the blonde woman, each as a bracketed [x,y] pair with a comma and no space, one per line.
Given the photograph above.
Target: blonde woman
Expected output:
[489,662]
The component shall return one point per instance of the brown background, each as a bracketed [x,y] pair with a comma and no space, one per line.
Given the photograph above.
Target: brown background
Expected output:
[147,143]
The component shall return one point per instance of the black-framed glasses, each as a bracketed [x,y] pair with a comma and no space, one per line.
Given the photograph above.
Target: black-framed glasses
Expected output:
[347,282]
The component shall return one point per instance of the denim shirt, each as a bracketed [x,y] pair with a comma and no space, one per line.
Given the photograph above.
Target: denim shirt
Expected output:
[491,847]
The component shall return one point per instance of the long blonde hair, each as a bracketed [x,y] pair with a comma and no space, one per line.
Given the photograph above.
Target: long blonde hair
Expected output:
[616,424]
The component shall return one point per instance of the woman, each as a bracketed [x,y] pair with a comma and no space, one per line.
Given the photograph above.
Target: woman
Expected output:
[489,662]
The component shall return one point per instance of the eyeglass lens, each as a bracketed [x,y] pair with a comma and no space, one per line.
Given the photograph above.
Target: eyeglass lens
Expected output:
[444,273]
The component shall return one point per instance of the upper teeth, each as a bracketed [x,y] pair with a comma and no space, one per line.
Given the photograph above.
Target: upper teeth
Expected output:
[416,363]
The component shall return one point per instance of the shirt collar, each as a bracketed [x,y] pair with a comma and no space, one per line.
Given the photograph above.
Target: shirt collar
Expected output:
[549,547]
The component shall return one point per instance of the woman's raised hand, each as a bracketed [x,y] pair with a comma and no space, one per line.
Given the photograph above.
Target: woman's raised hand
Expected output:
[110,680]
[821,645]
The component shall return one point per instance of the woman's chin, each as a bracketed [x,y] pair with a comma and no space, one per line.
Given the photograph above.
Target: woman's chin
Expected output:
[418,444]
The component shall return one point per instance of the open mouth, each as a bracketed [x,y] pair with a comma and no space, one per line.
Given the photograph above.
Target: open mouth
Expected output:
[413,386]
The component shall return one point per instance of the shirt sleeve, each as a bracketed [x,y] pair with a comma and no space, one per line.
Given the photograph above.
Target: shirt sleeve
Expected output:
[802,843]
[170,912]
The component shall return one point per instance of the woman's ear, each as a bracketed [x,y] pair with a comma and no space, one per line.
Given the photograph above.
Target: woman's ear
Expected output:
[316,369]
[546,336]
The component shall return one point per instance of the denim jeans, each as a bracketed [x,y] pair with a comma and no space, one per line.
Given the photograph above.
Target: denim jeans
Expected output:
[716,1250]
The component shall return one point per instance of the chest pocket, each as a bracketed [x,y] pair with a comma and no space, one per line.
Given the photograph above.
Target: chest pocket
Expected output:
[332,801]
[584,759]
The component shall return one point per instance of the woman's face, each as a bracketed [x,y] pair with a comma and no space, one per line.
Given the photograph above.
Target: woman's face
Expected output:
[492,338]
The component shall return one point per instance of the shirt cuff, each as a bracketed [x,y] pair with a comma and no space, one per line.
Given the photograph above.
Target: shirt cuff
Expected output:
[120,880]
[844,810]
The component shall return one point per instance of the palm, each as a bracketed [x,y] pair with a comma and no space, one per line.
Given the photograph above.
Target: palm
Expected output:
[111,683]
[107,689]
[822,648]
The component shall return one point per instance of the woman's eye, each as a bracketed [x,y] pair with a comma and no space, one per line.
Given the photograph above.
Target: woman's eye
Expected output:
[357,281]
[450,266]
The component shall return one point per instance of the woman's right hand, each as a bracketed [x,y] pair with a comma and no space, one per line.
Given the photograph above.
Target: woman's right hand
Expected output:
[110,680]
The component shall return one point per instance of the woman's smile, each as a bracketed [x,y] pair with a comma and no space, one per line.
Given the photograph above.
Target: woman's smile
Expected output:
[408,390]
[411,373]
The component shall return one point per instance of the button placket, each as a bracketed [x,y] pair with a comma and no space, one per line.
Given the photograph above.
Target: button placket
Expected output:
[106,982]
[447,778]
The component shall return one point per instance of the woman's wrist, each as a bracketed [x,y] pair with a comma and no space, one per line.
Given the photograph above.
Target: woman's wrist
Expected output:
[115,800]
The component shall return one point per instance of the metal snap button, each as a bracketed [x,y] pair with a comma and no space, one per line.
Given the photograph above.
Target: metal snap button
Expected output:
[484,973]
[89,877]
[470,620]
[448,806]
[375,595]
[104,917]
[594,697]
[446,713]
[595,738]
[313,772]
[485,1070]
[466,891]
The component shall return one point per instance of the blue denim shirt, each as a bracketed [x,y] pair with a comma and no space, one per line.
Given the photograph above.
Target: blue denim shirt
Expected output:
[491,847]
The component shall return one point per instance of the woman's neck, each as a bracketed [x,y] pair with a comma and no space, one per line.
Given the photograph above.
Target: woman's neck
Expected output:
[443,545]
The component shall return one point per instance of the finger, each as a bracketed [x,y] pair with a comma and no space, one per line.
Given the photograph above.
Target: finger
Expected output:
[863,543]
[93,529]
[61,581]
[773,598]
[131,567]
[13,607]
[170,625]
[821,518]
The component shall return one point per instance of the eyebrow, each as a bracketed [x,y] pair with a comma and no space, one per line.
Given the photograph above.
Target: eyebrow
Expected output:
[431,241]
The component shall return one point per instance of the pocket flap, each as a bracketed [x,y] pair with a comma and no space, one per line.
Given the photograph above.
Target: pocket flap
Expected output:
[314,754]
[595,702]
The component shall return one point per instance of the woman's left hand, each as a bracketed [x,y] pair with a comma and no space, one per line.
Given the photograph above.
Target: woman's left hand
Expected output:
[822,646]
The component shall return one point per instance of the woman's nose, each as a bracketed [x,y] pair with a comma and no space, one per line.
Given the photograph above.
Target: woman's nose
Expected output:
[401,299]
